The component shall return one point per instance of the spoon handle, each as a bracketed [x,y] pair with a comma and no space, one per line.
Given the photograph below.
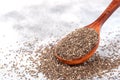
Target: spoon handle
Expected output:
[108,12]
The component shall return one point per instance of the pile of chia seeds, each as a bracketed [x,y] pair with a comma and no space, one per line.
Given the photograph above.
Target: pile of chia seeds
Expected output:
[77,44]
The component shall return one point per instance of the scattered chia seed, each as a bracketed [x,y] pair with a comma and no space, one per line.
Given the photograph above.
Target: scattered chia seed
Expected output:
[33,61]
[77,44]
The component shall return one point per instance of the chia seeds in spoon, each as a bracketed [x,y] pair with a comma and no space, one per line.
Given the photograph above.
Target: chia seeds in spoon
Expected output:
[77,44]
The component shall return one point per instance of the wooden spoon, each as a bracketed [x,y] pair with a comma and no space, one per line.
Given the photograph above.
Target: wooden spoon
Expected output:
[96,25]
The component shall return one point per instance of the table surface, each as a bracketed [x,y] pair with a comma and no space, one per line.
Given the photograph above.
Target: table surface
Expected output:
[46,20]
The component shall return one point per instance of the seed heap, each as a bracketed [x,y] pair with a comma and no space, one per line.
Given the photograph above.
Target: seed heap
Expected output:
[55,70]
[77,44]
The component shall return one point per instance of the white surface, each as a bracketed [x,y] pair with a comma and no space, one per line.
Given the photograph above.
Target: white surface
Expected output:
[47,20]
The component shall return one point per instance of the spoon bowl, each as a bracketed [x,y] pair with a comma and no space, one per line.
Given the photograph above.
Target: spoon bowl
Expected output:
[96,25]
